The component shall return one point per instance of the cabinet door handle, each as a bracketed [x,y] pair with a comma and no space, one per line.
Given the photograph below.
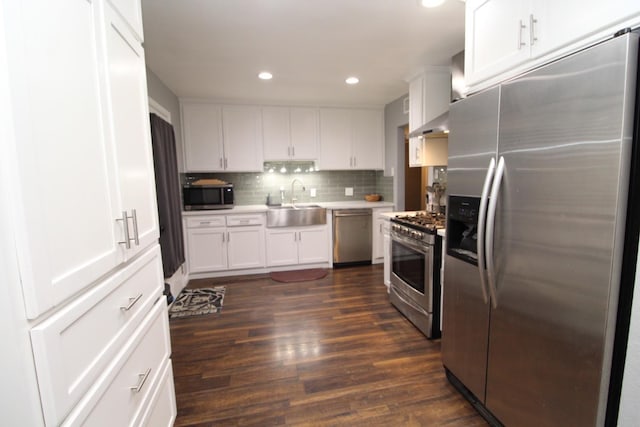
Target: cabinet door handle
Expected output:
[417,154]
[134,220]
[143,378]
[125,225]
[228,237]
[293,151]
[220,162]
[380,227]
[521,27]
[532,30]
[223,238]
[225,163]
[355,161]
[132,302]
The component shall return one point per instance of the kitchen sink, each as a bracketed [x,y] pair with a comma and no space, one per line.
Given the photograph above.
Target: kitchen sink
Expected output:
[296,215]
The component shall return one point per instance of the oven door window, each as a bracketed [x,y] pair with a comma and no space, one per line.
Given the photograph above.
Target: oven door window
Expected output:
[409,265]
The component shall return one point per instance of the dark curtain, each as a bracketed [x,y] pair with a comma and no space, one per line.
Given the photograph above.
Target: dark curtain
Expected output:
[168,191]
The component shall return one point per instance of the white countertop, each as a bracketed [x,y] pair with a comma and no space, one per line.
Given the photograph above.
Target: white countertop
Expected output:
[347,204]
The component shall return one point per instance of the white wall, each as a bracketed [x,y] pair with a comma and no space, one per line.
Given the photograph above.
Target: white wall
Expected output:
[394,119]
[629,415]
[165,97]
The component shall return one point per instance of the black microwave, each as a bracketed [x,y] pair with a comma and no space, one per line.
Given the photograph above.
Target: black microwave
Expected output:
[198,197]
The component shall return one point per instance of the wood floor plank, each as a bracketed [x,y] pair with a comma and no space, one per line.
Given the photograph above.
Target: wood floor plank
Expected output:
[330,352]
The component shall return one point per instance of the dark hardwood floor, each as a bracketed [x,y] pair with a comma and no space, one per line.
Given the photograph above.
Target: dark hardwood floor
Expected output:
[328,352]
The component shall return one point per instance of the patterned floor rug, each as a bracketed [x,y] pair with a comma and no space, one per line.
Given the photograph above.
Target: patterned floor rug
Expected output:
[197,302]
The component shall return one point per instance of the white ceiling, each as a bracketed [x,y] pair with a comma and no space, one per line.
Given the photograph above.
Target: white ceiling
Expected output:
[215,48]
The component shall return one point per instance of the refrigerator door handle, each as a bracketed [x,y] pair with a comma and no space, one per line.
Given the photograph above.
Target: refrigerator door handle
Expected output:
[482,217]
[491,222]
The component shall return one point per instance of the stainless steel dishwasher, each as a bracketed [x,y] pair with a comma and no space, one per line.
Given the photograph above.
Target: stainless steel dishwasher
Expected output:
[351,237]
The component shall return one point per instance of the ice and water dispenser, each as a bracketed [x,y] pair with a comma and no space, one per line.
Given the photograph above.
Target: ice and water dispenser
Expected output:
[462,228]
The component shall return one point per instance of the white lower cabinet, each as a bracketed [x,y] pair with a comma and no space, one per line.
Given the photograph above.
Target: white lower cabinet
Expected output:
[297,245]
[70,356]
[224,242]
[162,408]
[122,394]
[378,235]
[387,253]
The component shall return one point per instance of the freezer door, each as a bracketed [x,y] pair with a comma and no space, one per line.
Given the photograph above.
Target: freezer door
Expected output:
[465,322]
[565,133]
[473,142]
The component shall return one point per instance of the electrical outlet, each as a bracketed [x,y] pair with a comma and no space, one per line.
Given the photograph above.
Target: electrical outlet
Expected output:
[348,191]
[312,192]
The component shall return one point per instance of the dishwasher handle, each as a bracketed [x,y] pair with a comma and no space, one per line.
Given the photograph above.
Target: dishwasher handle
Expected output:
[352,212]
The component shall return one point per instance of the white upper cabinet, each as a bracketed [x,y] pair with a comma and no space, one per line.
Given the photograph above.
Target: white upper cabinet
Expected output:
[69,201]
[506,37]
[130,131]
[497,36]
[202,127]
[290,133]
[351,139]
[276,133]
[304,133]
[222,138]
[335,139]
[242,138]
[131,11]
[367,139]
[429,95]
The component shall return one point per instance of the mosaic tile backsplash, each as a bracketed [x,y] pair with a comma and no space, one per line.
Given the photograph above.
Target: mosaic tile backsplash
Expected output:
[253,188]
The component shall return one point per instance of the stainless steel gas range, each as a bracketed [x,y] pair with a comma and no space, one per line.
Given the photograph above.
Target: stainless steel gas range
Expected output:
[416,256]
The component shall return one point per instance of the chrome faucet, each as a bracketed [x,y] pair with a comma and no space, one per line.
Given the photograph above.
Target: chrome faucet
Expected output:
[293,199]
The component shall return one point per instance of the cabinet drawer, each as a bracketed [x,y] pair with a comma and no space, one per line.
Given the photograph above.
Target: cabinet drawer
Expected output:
[161,411]
[240,220]
[123,393]
[205,221]
[72,348]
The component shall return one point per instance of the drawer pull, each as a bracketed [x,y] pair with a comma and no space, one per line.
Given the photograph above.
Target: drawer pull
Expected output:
[132,302]
[205,222]
[143,379]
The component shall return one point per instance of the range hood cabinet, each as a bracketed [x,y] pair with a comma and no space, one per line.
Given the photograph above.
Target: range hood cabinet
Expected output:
[437,125]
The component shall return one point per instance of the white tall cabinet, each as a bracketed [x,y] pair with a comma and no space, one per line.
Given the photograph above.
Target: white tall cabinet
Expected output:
[83,262]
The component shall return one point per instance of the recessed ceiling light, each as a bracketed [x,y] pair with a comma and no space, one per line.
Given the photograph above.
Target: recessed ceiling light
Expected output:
[431,3]
[352,80]
[265,75]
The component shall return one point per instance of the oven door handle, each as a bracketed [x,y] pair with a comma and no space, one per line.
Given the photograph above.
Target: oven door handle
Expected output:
[407,301]
[482,218]
[491,222]
[422,248]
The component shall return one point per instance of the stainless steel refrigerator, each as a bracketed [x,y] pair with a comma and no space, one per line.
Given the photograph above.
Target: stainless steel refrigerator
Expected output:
[537,232]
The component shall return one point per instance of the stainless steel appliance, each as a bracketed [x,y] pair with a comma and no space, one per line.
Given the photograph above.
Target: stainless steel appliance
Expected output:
[201,195]
[542,240]
[351,237]
[415,269]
